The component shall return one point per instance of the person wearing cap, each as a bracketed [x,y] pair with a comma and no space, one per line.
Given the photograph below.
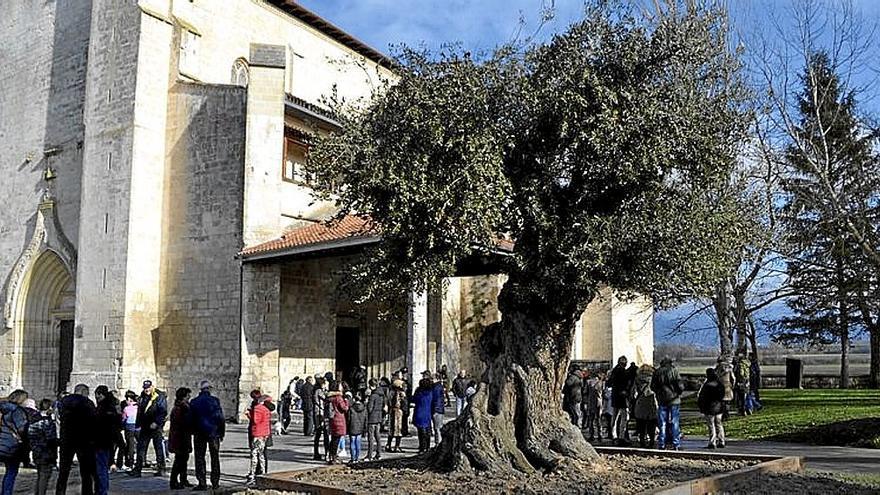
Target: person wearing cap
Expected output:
[109,424]
[152,413]
[78,420]
[209,428]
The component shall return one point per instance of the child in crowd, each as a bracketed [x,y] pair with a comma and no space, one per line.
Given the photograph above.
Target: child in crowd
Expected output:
[44,445]
[130,429]
[357,425]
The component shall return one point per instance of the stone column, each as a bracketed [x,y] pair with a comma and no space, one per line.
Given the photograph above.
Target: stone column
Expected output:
[417,333]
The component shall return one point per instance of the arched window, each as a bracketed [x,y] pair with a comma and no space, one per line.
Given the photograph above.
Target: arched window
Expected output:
[240,73]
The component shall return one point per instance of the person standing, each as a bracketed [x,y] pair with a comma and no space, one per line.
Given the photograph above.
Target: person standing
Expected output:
[78,421]
[180,438]
[438,406]
[13,432]
[755,382]
[572,391]
[423,404]
[129,427]
[357,425]
[447,384]
[208,429]
[337,422]
[459,390]
[620,385]
[43,436]
[359,382]
[408,390]
[375,410]
[286,400]
[592,406]
[396,404]
[108,426]
[710,402]
[666,385]
[645,406]
[307,392]
[319,400]
[152,413]
[259,429]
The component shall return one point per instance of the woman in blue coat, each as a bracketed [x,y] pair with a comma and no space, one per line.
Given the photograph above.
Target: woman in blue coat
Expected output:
[13,432]
[423,400]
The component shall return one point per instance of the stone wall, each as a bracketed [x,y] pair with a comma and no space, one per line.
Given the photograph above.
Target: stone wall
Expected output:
[44,48]
[198,333]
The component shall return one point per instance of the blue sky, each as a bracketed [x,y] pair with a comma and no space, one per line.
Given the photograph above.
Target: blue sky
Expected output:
[479,25]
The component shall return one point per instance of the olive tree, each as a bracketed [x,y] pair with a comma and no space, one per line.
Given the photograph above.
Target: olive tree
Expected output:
[592,152]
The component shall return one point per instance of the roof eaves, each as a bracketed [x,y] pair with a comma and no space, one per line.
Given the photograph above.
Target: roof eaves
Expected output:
[349,242]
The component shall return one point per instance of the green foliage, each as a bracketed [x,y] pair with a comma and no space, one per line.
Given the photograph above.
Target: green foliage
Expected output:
[813,416]
[593,152]
[831,184]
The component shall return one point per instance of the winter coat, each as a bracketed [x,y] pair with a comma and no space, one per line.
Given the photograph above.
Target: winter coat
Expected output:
[13,431]
[667,384]
[43,437]
[375,407]
[755,376]
[78,420]
[180,433]
[438,399]
[259,418]
[286,400]
[644,400]
[459,387]
[571,389]
[152,409]
[422,400]
[619,381]
[592,395]
[109,423]
[359,379]
[357,419]
[307,392]
[206,417]
[337,424]
[710,397]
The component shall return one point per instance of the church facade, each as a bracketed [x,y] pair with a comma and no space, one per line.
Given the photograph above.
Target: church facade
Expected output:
[157,224]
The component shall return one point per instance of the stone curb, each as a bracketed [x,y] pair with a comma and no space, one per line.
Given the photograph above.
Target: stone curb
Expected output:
[283,482]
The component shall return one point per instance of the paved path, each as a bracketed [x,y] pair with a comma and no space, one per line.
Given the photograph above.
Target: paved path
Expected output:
[294,452]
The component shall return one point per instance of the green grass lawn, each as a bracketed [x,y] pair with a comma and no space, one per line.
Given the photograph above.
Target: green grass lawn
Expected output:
[819,417]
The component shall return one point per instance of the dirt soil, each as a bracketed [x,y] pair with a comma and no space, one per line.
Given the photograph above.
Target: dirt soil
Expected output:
[789,484]
[613,474]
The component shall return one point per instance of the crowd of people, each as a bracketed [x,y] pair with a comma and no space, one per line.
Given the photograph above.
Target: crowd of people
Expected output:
[337,411]
[602,402]
[106,435]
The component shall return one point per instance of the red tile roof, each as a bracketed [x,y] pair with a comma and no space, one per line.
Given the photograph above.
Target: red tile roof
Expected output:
[322,235]
[349,227]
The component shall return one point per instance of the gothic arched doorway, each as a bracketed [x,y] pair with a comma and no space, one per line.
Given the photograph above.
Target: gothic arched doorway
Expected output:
[44,321]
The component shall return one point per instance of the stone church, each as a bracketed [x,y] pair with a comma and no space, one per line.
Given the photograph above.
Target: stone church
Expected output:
[156,222]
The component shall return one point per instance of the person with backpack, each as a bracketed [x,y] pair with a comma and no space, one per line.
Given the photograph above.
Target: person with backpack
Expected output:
[742,370]
[13,433]
[43,436]
[710,402]
[666,384]
[644,406]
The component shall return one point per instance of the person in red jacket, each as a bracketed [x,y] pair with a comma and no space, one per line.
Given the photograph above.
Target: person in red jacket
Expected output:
[259,428]
[339,406]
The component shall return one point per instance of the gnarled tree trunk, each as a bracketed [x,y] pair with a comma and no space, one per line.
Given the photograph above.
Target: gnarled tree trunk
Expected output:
[515,420]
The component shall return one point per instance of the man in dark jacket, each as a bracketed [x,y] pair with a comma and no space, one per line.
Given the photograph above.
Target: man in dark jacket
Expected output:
[308,406]
[108,426]
[319,403]
[710,402]
[78,423]
[375,409]
[407,387]
[572,394]
[208,428]
[152,413]
[459,390]
[359,382]
[620,381]
[666,385]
